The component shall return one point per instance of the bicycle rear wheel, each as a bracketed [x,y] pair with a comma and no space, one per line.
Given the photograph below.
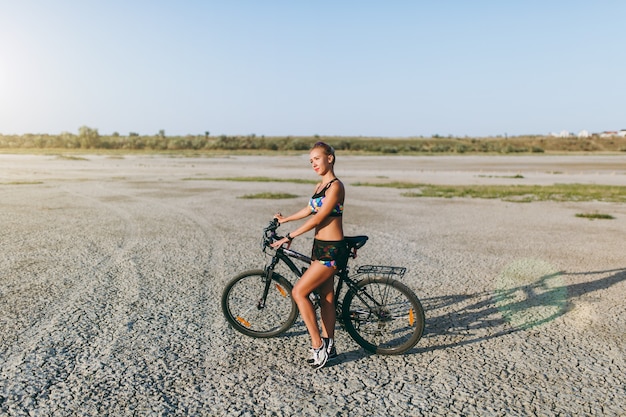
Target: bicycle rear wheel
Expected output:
[250,313]
[383,315]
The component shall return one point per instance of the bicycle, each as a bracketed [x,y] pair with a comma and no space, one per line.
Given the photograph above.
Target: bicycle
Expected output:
[379,312]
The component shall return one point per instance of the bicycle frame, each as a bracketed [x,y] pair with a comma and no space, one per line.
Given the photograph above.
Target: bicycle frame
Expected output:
[285,255]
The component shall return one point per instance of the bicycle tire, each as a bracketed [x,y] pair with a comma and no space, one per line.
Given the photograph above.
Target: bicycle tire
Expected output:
[390,323]
[241,304]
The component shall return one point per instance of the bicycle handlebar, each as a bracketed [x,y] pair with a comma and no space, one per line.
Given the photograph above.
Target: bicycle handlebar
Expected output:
[269,233]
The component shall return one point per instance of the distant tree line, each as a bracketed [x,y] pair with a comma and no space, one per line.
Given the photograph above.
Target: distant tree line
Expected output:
[89,138]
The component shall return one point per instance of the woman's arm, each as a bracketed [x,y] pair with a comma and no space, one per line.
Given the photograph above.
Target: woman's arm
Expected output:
[301,214]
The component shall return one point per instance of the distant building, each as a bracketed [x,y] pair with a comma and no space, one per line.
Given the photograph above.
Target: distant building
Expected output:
[585,134]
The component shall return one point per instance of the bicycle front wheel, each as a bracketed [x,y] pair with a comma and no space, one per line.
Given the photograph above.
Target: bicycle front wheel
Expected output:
[253,311]
[383,315]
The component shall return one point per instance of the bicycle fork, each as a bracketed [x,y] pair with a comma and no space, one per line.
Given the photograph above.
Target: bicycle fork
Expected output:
[269,272]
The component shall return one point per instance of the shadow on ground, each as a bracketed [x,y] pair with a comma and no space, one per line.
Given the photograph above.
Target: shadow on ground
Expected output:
[462,319]
[455,320]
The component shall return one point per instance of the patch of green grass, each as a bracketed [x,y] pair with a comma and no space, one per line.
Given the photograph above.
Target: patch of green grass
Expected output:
[516,176]
[269,196]
[251,179]
[514,193]
[593,216]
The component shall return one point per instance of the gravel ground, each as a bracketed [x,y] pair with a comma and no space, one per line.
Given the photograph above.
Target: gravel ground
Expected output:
[112,270]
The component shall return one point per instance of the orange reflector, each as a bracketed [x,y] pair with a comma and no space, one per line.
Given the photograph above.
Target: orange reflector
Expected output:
[411,317]
[281,290]
[243,321]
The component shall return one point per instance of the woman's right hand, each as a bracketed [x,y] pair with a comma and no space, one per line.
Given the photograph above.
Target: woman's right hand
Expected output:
[279,217]
[281,242]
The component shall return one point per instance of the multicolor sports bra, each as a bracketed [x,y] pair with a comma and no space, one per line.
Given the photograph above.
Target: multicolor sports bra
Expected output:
[316,202]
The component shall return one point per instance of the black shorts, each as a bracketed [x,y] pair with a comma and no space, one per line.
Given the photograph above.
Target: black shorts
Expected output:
[330,253]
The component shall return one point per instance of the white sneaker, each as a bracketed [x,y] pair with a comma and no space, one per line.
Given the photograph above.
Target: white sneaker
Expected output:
[330,348]
[320,356]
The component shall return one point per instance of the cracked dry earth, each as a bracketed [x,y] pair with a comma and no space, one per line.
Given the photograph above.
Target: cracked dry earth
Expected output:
[112,271]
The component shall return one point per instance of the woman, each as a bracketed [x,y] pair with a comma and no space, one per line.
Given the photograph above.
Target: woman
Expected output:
[329,253]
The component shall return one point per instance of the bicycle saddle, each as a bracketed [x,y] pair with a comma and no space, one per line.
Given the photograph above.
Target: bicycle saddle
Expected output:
[355,242]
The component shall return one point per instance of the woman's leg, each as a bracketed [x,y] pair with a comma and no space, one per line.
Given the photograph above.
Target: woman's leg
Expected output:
[314,277]
[327,307]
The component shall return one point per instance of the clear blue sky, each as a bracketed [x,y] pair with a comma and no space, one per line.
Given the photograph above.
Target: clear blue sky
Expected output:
[371,68]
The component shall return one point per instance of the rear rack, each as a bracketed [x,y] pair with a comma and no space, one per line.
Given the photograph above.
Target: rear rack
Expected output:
[381,270]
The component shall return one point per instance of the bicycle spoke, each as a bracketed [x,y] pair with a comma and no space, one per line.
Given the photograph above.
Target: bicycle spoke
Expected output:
[251,313]
[384,316]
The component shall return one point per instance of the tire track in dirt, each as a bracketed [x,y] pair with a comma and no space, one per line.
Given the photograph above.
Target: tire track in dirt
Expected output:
[166,334]
[48,352]
[199,263]
[87,282]
[117,322]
